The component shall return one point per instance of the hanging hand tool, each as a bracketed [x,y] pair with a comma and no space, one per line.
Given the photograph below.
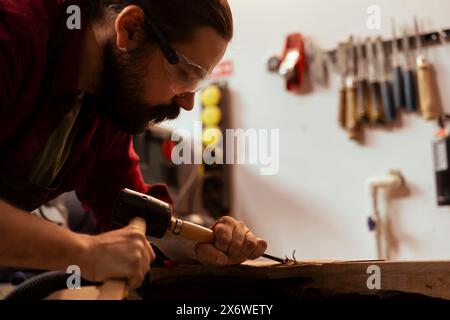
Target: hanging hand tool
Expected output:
[409,76]
[362,86]
[425,81]
[350,93]
[397,73]
[292,65]
[341,62]
[385,84]
[376,115]
[318,64]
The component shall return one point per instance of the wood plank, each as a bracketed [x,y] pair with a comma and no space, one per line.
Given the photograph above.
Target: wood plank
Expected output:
[429,278]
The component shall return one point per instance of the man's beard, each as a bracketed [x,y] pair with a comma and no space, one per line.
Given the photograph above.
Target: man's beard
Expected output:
[122,89]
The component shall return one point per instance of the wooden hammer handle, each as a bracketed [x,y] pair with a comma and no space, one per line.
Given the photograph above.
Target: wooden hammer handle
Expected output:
[117,289]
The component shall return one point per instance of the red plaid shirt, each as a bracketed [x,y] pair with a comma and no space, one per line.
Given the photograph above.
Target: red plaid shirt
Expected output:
[39,59]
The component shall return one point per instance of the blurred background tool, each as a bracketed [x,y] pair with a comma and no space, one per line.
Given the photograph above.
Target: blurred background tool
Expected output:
[350,93]
[441,156]
[341,57]
[385,84]
[409,76]
[317,64]
[376,115]
[379,220]
[362,86]
[292,65]
[425,79]
[397,72]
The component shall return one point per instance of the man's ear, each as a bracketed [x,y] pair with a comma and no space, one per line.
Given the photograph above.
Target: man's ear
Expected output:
[128,27]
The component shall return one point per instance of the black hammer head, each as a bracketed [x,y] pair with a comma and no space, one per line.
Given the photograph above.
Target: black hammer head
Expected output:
[131,204]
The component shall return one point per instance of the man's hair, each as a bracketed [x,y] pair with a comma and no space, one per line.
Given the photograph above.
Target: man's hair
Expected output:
[177,19]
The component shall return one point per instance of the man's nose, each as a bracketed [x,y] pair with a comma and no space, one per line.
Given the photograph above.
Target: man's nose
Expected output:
[185,101]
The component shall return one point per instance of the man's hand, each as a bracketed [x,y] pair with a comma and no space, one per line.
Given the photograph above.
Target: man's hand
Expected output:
[121,254]
[234,243]
[29,242]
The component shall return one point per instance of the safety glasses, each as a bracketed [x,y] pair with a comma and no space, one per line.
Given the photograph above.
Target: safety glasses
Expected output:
[184,75]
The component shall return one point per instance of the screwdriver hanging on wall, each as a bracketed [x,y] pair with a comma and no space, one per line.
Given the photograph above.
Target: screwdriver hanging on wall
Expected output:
[409,76]
[341,56]
[385,84]
[362,85]
[350,93]
[397,73]
[425,81]
[376,115]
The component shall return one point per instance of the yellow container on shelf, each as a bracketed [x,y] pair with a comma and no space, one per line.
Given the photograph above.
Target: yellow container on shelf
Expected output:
[211,96]
[211,115]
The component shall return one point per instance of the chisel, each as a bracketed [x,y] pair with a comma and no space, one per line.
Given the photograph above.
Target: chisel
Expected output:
[155,218]
[385,84]
[397,73]
[376,115]
[341,62]
[409,76]
[362,86]
[350,93]
[425,81]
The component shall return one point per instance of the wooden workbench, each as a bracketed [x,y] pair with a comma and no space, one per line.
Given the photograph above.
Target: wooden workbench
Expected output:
[305,280]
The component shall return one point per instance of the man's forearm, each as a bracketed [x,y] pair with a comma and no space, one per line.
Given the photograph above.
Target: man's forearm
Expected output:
[29,242]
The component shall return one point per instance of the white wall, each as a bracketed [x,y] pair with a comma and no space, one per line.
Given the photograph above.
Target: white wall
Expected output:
[317,203]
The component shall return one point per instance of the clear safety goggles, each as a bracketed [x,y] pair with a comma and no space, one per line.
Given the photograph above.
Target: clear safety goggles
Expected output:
[185,76]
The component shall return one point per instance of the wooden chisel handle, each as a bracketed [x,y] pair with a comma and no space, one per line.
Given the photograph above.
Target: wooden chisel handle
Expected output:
[191,231]
[376,115]
[427,92]
[195,232]
[117,289]
[342,107]
[362,88]
[351,111]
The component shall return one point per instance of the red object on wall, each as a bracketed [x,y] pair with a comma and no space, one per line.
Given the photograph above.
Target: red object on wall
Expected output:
[292,63]
[224,69]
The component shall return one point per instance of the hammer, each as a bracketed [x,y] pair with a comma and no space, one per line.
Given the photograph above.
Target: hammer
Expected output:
[153,217]
[156,215]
